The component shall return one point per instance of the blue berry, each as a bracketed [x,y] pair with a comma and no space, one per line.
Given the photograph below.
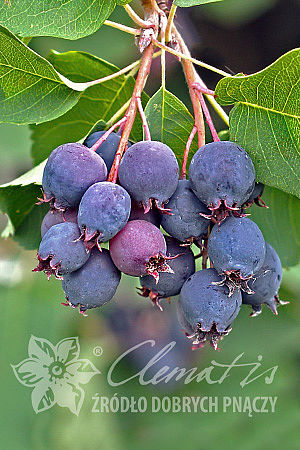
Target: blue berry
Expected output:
[70,170]
[149,171]
[103,211]
[170,284]
[54,217]
[107,149]
[265,284]
[237,250]
[61,251]
[94,284]
[186,222]
[138,213]
[206,307]
[222,176]
[255,197]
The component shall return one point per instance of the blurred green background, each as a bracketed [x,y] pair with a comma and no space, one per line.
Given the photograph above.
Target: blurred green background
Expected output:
[239,36]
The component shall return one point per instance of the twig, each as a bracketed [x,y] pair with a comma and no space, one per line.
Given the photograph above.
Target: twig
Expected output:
[136,18]
[189,58]
[170,23]
[208,117]
[144,120]
[121,27]
[131,111]
[186,152]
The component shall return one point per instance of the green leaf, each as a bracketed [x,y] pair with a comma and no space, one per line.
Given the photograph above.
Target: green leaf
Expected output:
[18,200]
[170,122]
[265,120]
[30,89]
[97,103]
[280,224]
[188,3]
[71,19]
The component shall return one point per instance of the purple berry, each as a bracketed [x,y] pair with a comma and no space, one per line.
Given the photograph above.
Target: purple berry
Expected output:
[55,216]
[186,222]
[138,213]
[206,307]
[222,176]
[61,251]
[94,284]
[70,170]
[149,171]
[103,211]
[107,149]
[265,284]
[237,250]
[170,284]
[140,249]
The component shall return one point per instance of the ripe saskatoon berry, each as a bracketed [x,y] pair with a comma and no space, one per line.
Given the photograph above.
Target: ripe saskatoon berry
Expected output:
[255,197]
[149,171]
[60,251]
[237,250]
[140,249]
[206,307]
[138,213]
[94,284]
[103,211]
[183,266]
[222,176]
[107,150]
[265,284]
[70,170]
[185,223]
[54,217]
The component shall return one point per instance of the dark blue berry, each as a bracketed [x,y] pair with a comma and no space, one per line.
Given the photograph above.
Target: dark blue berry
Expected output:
[138,213]
[186,222]
[255,197]
[54,217]
[149,171]
[61,251]
[170,284]
[206,307]
[107,150]
[70,170]
[94,284]
[265,284]
[237,250]
[222,176]
[103,211]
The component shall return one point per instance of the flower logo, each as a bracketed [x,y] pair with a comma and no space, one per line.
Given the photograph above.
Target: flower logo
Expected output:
[55,373]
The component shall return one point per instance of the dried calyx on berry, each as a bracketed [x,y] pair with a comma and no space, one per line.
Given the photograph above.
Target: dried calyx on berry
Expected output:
[222,176]
[265,284]
[255,197]
[61,251]
[206,310]
[149,172]
[140,249]
[237,251]
[103,211]
[70,170]
[170,284]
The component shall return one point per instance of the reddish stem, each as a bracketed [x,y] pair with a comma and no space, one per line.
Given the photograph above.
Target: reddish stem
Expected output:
[144,120]
[207,117]
[203,89]
[131,111]
[186,152]
[107,133]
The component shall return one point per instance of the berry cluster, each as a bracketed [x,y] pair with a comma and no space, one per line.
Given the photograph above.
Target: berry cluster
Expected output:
[208,210]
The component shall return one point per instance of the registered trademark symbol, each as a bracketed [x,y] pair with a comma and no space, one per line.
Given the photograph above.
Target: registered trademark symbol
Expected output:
[97,350]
